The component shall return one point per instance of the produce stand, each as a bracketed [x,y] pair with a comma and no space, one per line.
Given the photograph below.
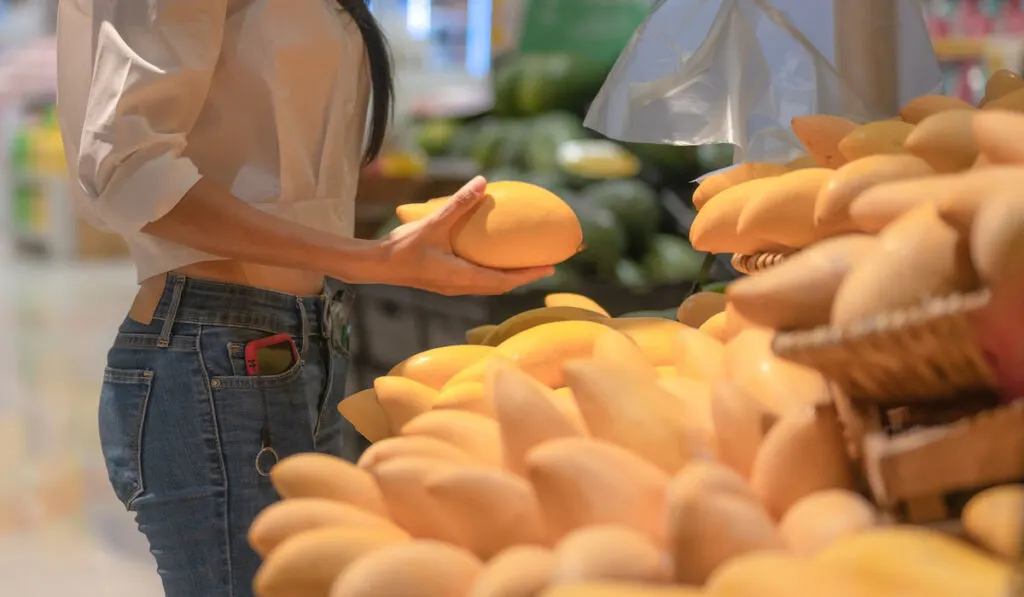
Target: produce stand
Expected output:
[846,420]
[392,323]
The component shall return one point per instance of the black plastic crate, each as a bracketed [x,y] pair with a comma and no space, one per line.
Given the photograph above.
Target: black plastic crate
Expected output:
[392,323]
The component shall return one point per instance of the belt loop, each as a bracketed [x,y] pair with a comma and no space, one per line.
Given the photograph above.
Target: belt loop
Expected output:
[305,325]
[172,311]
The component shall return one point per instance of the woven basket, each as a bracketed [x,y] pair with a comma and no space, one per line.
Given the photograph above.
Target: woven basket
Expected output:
[919,354]
[751,264]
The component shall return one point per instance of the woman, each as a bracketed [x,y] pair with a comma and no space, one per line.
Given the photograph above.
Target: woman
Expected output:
[223,140]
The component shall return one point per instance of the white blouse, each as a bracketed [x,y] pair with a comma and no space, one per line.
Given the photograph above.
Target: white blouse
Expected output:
[267,97]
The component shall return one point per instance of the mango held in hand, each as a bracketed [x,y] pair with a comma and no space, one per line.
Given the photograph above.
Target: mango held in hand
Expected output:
[515,225]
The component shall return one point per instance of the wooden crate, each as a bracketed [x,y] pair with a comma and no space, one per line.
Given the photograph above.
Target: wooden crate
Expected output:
[926,473]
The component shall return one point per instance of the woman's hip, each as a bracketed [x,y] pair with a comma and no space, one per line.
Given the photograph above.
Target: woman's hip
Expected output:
[187,415]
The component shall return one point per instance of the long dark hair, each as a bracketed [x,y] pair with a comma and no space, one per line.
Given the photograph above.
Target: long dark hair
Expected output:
[381,80]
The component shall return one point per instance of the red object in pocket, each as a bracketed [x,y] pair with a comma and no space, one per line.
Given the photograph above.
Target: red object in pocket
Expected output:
[252,351]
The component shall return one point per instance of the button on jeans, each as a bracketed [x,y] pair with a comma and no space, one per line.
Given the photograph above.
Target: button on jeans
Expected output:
[185,430]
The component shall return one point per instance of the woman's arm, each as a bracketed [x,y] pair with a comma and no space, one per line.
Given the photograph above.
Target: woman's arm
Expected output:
[152,69]
[211,219]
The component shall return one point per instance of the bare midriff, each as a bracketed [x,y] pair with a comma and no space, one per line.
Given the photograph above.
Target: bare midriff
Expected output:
[279,279]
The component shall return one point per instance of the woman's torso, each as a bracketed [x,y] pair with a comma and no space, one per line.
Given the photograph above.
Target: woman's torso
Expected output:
[282,127]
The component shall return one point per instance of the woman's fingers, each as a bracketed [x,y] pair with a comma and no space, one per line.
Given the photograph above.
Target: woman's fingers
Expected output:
[460,203]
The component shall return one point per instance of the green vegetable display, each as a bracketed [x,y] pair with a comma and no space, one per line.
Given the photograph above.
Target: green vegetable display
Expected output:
[536,118]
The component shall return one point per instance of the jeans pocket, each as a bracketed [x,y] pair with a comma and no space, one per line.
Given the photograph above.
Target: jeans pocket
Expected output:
[124,401]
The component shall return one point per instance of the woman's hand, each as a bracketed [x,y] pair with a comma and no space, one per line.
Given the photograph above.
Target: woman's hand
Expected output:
[419,254]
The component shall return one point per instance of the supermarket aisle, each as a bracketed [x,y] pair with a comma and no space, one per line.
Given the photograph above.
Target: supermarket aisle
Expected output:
[61,531]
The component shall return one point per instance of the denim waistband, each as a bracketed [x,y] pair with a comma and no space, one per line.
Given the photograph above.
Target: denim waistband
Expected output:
[188,300]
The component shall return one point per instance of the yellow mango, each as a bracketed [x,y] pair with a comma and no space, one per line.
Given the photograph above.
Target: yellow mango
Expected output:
[415,446]
[819,519]
[365,413]
[699,355]
[621,589]
[530,319]
[803,453]
[569,299]
[711,186]
[1000,83]
[714,228]
[421,568]
[804,161]
[694,405]
[771,574]
[699,307]
[282,520]
[528,415]
[474,434]
[632,411]
[569,474]
[832,207]
[781,386]
[923,107]
[927,256]
[517,225]
[875,138]
[469,396]
[715,327]
[565,402]
[608,552]
[433,368]
[997,238]
[495,509]
[667,372]
[784,214]
[994,518]
[821,134]
[403,399]
[541,351]
[615,347]
[314,475]
[997,134]
[1012,101]
[740,423]
[879,206]
[307,564]
[798,293]
[706,529]
[945,140]
[478,336]
[477,372]
[653,335]
[520,571]
[910,560]
[403,483]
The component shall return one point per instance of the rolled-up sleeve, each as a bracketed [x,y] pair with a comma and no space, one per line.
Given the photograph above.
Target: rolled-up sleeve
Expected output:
[152,67]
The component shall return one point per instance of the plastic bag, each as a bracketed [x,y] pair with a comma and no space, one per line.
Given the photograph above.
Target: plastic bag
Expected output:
[737,71]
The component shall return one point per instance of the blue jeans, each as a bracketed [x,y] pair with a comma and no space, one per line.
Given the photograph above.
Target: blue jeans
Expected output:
[188,437]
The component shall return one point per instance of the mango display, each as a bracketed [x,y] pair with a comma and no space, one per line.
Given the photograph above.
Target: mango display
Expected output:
[939,150]
[596,468]
[566,452]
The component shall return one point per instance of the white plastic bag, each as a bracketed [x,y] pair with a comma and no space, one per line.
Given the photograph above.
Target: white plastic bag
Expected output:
[737,71]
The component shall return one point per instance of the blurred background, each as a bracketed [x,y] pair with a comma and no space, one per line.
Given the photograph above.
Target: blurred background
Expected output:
[492,86]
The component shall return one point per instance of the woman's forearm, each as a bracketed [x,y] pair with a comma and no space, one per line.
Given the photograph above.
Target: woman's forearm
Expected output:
[213,220]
